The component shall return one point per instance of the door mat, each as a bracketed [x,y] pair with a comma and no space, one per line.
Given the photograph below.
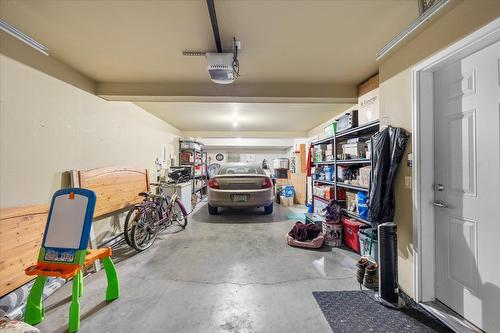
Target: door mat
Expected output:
[358,311]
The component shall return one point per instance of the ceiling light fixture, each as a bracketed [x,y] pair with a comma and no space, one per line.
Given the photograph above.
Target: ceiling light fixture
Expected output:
[23,37]
[235,123]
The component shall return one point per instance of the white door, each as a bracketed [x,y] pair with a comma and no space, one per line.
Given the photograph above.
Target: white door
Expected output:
[467,187]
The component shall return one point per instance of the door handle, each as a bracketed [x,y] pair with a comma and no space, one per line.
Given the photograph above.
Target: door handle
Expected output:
[440,204]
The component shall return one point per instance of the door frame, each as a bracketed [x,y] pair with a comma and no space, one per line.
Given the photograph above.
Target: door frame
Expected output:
[423,157]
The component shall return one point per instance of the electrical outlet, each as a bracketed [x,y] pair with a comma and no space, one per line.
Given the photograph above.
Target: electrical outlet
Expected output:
[408,182]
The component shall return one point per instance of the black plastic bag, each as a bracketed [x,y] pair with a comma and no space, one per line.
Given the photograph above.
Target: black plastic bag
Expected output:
[387,148]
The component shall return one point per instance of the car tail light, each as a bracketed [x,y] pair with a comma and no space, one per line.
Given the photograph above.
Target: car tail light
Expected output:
[267,183]
[212,183]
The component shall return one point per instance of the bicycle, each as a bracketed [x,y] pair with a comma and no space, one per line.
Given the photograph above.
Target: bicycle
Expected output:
[146,220]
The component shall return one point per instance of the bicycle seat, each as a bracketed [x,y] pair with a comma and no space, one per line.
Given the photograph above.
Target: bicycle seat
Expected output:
[144,194]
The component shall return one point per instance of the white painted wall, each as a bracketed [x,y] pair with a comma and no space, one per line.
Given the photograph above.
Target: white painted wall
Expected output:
[260,155]
[395,103]
[48,127]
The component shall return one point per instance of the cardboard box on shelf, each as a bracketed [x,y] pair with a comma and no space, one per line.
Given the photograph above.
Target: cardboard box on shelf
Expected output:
[352,201]
[368,101]
[355,150]
[364,176]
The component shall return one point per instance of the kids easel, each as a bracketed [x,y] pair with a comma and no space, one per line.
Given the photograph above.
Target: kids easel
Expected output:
[64,253]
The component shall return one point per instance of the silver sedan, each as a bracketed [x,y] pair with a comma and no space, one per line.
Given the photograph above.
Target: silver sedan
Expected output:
[240,185]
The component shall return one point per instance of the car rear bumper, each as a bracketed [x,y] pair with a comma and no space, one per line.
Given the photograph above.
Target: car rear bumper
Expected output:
[256,198]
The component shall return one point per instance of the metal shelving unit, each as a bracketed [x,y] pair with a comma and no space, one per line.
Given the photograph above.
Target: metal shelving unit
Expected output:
[320,198]
[352,187]
[366,130]
[329,182]
[355,216]
[199,160]
[354,161]
[324,163]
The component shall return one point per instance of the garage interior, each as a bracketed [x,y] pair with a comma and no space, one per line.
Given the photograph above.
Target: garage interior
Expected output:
[133,134]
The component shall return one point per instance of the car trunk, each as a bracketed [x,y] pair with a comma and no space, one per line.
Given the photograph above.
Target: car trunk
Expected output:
[244,182]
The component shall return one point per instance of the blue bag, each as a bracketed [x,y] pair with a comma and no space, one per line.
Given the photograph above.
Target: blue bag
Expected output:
[362,198]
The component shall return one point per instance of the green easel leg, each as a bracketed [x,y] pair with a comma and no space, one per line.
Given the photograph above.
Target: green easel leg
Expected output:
[113,289]
[33,313]
[80,284]
[74,308]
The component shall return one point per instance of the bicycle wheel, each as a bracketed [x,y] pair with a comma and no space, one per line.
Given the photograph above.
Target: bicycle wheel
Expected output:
[143,233]
[179,214]
[131,219]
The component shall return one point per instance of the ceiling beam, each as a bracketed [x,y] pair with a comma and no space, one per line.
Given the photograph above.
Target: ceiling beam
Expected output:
[269,143]
[236,92]
[12,48]
[244,134]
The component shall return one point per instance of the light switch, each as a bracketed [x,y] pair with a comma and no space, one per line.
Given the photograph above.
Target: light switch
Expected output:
[408,182]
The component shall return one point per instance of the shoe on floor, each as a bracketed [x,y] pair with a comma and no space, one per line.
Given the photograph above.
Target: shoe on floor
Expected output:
[361,265]
[370,279]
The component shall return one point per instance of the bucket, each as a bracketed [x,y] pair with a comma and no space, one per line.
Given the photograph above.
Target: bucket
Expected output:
[333,234]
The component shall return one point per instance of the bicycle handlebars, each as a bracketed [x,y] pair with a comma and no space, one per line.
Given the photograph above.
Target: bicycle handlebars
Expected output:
[172,182]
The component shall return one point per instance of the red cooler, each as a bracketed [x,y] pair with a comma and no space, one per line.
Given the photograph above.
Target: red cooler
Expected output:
[351,228]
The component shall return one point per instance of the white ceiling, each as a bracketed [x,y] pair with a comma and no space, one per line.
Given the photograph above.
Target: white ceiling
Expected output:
[188,116]
[292,50]
[307,41]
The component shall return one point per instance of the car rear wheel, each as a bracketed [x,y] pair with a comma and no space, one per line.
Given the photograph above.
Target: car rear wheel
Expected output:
[268,209]
[212,210]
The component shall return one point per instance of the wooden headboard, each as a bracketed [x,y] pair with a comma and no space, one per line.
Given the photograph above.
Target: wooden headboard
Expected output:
[21,228]
[21,231]
[116,187]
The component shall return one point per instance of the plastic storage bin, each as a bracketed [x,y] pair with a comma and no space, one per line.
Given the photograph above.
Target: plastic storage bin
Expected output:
[351,228]
[184,192]
[364,243]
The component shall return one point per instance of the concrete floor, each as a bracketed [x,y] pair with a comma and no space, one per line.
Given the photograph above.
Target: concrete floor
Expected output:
[227,273]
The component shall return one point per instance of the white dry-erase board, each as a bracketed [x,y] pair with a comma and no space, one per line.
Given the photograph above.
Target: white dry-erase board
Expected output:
[66,222]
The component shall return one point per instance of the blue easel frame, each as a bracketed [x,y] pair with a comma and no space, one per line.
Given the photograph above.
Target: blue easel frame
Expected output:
[87,224]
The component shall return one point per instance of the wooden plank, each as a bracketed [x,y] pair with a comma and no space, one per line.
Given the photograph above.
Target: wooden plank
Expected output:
[28,257]
[21,231]
[116,187]
[368,85]
[6,213]
[299,181]
[303,158]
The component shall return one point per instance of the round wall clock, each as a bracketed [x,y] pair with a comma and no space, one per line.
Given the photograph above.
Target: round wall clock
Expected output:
[219,157]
